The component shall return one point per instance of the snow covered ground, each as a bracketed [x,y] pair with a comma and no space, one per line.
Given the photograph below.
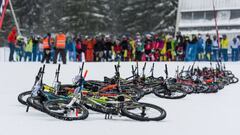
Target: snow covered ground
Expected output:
[212,114]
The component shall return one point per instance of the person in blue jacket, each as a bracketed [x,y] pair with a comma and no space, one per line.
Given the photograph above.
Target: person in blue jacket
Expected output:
[200,48]
[191,52]
[234,46]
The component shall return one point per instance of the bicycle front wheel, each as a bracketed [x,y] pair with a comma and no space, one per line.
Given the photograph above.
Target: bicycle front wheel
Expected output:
[58,109]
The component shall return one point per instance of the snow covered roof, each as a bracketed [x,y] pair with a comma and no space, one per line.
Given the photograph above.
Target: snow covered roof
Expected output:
[203,5]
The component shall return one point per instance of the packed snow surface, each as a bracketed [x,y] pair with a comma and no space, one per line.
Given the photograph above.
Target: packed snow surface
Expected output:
[203,114]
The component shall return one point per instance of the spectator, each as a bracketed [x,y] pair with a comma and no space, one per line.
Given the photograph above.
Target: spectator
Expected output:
[169,49]
[79,49]
[224,47]
[191,53]
[71,48]
[108,48]
[131,49]
[99,49]
[234,46]
[35,48]
[180,47]
[157,47]
[40,49]
[208,48]
[12,42]
[60,47]
[125,47]
[148,48]
[89,43]
[139,45]
[200,48]
[238,40]
[215,49]
[20,48]
[47,45]
[117,51]
[28,49]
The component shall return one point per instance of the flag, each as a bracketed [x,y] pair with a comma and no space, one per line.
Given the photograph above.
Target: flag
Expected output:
[3,7]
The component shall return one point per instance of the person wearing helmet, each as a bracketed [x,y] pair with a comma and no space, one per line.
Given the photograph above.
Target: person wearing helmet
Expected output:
[20,48]
[224,47]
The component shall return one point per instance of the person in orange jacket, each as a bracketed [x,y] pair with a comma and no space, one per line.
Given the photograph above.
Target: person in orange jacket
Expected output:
[47,44]
[89,43]
[60,47]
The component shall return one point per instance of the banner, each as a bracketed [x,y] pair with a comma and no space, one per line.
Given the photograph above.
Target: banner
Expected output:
[3,7]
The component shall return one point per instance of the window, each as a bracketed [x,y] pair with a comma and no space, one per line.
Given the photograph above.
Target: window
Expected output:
[235,14]
[224,15]
[198,15]
[210,15]
[187,16]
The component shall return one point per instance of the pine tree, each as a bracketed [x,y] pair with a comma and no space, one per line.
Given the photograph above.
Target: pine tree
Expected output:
[91,16]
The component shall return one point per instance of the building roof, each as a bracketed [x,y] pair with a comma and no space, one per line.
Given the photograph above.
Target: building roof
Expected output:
[205,5]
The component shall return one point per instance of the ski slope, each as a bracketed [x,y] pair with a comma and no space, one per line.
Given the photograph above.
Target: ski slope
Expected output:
[203,114]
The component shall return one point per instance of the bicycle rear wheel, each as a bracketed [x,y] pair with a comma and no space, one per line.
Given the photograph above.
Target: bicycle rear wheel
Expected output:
[143,112]
[169,94]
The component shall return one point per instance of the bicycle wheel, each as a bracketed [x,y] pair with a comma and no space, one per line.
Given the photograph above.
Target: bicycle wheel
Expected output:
[133,92]
[58,109]
[201,88]
[22,97]
[212,88]
[169,93]
[188,89]
[234,80]
[143,112]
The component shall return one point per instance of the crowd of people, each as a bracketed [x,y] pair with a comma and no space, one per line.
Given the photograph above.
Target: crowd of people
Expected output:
[137,47]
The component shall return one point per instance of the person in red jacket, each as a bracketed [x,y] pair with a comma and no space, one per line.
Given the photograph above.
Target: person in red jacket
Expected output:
[12,37]
[118,51]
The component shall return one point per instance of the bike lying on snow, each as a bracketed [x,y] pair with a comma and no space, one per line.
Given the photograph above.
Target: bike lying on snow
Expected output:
[69,103]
